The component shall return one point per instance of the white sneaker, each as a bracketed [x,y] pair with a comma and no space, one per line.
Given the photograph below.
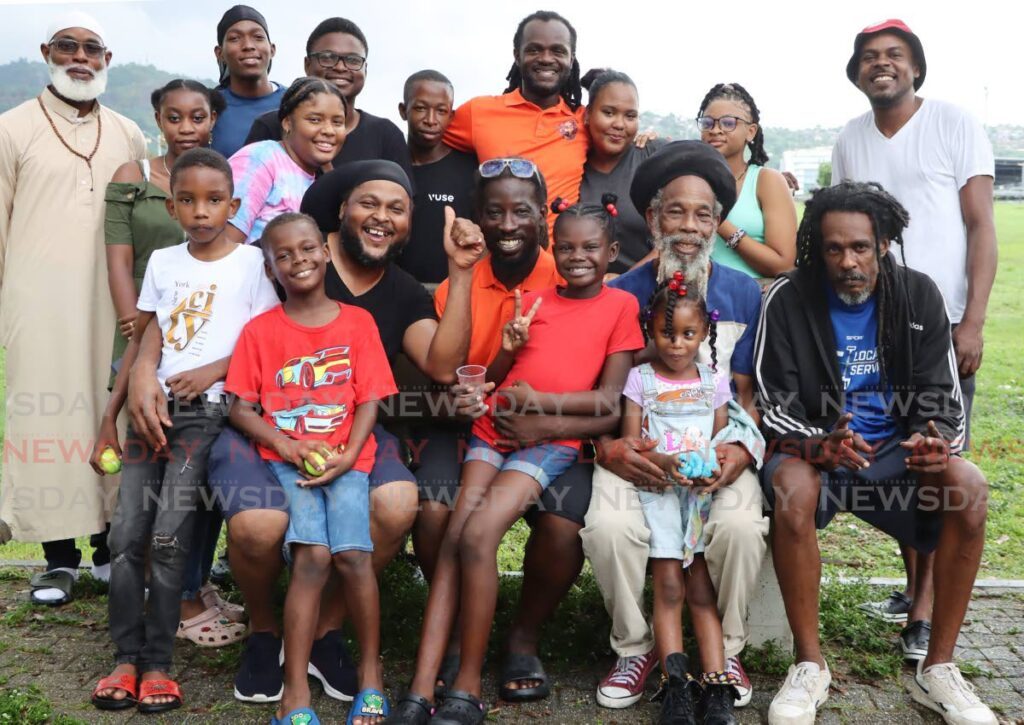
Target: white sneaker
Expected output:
[943,689]
[805,690]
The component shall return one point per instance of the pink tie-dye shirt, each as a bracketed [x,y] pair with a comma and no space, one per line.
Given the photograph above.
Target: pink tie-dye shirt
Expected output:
[268,182]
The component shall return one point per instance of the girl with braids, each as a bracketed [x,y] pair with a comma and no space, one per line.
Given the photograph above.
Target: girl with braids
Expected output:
[612,120]
[272,176]
[566,351]
[758,237]
[682,404]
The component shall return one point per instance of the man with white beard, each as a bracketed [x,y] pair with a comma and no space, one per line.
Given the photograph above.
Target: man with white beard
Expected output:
[57,153]
[685,189]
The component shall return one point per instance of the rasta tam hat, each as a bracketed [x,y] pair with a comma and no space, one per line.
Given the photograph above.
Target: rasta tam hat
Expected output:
[324,198]
[233,15]
[895,27]
[683,158]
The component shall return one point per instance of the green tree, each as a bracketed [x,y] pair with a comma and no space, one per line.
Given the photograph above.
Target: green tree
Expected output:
[825,174]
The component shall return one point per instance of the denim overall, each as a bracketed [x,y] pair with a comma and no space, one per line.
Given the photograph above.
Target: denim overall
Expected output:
[677,515]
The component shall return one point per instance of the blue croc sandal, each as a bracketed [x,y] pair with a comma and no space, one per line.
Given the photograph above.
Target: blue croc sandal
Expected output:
[369,703]
[302,716]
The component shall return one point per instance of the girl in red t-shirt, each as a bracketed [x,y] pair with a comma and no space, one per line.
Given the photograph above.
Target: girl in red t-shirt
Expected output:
[567,354]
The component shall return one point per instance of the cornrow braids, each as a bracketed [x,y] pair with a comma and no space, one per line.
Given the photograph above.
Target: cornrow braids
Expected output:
[604,213]
[667,297]
[736,92]
[571,91]
[213,97]
[888,220]
[302,90]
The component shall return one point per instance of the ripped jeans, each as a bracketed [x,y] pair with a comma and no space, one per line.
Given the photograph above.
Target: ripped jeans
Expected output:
[154,520]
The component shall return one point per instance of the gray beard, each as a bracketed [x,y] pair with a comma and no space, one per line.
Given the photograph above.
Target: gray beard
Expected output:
[853,300]
[75,90]
[695,269]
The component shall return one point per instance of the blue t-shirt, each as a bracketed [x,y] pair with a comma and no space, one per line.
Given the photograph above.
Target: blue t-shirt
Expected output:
[236,119]
[856,333]
[737,298]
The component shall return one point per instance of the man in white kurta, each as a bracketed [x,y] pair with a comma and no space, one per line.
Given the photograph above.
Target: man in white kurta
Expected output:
[56,317]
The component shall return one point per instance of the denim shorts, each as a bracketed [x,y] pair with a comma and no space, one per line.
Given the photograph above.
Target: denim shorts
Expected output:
[544,463]
[670,517]
[336,515]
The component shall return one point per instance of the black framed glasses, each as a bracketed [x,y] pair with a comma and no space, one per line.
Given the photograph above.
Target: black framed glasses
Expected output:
[329,59]
[726,123]
[520,168]
[70,46]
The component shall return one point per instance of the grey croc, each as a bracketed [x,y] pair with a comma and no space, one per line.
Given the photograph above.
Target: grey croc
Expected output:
[53,579]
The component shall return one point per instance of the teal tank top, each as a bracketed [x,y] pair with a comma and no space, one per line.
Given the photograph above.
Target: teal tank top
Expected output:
[746,215]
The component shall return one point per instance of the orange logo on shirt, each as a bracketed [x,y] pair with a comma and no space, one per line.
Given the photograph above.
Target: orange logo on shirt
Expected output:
[188,318]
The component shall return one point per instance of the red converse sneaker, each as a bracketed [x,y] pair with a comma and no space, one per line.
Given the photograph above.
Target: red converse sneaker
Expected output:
[624,685]
[745,690]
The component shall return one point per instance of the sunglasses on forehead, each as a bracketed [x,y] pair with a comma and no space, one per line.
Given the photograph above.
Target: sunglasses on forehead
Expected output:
[520,168]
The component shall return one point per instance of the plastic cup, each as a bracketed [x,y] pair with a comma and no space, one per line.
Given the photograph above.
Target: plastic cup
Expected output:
[471,375]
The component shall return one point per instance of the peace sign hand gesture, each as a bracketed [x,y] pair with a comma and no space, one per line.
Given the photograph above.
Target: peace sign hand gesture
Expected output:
[517,330]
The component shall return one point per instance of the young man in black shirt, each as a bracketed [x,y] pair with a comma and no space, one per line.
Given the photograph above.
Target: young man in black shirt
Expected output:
[336,51]
[442,176]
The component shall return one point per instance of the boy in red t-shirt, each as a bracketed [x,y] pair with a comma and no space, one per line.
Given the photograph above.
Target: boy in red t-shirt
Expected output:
[316,368]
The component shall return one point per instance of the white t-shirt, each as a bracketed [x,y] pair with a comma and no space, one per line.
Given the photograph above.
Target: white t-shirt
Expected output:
[201,307]
[925,165]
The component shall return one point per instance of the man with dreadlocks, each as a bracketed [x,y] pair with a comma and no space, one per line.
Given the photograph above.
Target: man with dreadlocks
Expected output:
[539,116]
[937,160]
[862,408]
[684,190]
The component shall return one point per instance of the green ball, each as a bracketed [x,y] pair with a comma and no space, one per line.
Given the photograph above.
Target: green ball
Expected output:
[319,462]
[109,461]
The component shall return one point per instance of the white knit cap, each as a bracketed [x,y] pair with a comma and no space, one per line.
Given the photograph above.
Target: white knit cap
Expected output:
[74,19]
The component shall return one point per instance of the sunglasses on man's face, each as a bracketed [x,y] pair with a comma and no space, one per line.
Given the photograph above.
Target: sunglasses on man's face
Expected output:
[726,123]
[68,46]
[328,59]
[520,168]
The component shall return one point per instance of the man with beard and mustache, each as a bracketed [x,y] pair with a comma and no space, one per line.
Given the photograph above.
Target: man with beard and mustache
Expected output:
[684,189]
[937,160]
[539,116]
[57,153]
[857,375]
[364,210]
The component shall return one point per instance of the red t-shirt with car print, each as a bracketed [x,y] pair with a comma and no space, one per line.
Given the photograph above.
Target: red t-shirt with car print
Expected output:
[309,380]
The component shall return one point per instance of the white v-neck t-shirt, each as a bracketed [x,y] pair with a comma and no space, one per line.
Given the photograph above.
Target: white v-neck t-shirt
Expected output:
[924,165]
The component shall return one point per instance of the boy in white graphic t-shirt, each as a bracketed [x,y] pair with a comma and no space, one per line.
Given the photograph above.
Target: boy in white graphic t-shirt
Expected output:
[202,293]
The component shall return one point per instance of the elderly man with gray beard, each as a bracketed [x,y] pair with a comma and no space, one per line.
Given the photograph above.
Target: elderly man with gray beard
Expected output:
[57,153]
[685,189]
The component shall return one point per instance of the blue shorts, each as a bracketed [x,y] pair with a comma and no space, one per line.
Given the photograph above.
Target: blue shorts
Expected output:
[335,515]
[242,481]
[544,463]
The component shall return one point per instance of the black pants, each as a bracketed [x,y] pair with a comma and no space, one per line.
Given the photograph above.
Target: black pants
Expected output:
[156,510]
[64,553]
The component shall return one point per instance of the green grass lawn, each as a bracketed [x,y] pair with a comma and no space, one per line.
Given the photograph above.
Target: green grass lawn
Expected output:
[851,547]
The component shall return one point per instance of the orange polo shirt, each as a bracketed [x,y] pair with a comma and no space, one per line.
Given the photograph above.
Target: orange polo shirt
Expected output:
[509,125]
[493,304]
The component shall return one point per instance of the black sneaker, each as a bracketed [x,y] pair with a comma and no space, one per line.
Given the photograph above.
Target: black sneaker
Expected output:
[260,678]
[716,705]
[220,572]
[914,640]
[892,609]
[677,691]
[330,662]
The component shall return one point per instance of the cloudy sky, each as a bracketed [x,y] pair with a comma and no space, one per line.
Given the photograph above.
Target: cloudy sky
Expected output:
[790,55]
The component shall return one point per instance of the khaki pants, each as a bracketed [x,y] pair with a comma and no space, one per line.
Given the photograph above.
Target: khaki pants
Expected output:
[616,541]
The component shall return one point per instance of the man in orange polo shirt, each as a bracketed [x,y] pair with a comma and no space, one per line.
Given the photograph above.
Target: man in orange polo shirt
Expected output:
[539,116]
[510,210]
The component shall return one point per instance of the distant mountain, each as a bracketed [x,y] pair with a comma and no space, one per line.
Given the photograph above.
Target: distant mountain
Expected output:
[128,89]
[131,85]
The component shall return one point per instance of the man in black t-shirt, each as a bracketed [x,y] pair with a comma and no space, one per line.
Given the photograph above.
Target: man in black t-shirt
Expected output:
[443,176]
[336,51]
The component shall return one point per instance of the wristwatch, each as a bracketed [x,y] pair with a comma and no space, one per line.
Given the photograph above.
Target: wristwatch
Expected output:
[734,239]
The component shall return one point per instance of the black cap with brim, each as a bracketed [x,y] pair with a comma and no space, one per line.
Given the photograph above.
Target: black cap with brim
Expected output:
[323,199]
[894,27]
[683,158]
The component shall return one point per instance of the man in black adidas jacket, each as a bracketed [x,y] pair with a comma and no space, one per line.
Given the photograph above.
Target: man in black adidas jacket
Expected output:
[862,410]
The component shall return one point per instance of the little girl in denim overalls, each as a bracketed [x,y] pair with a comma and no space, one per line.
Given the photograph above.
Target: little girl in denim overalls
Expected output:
[679,403]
